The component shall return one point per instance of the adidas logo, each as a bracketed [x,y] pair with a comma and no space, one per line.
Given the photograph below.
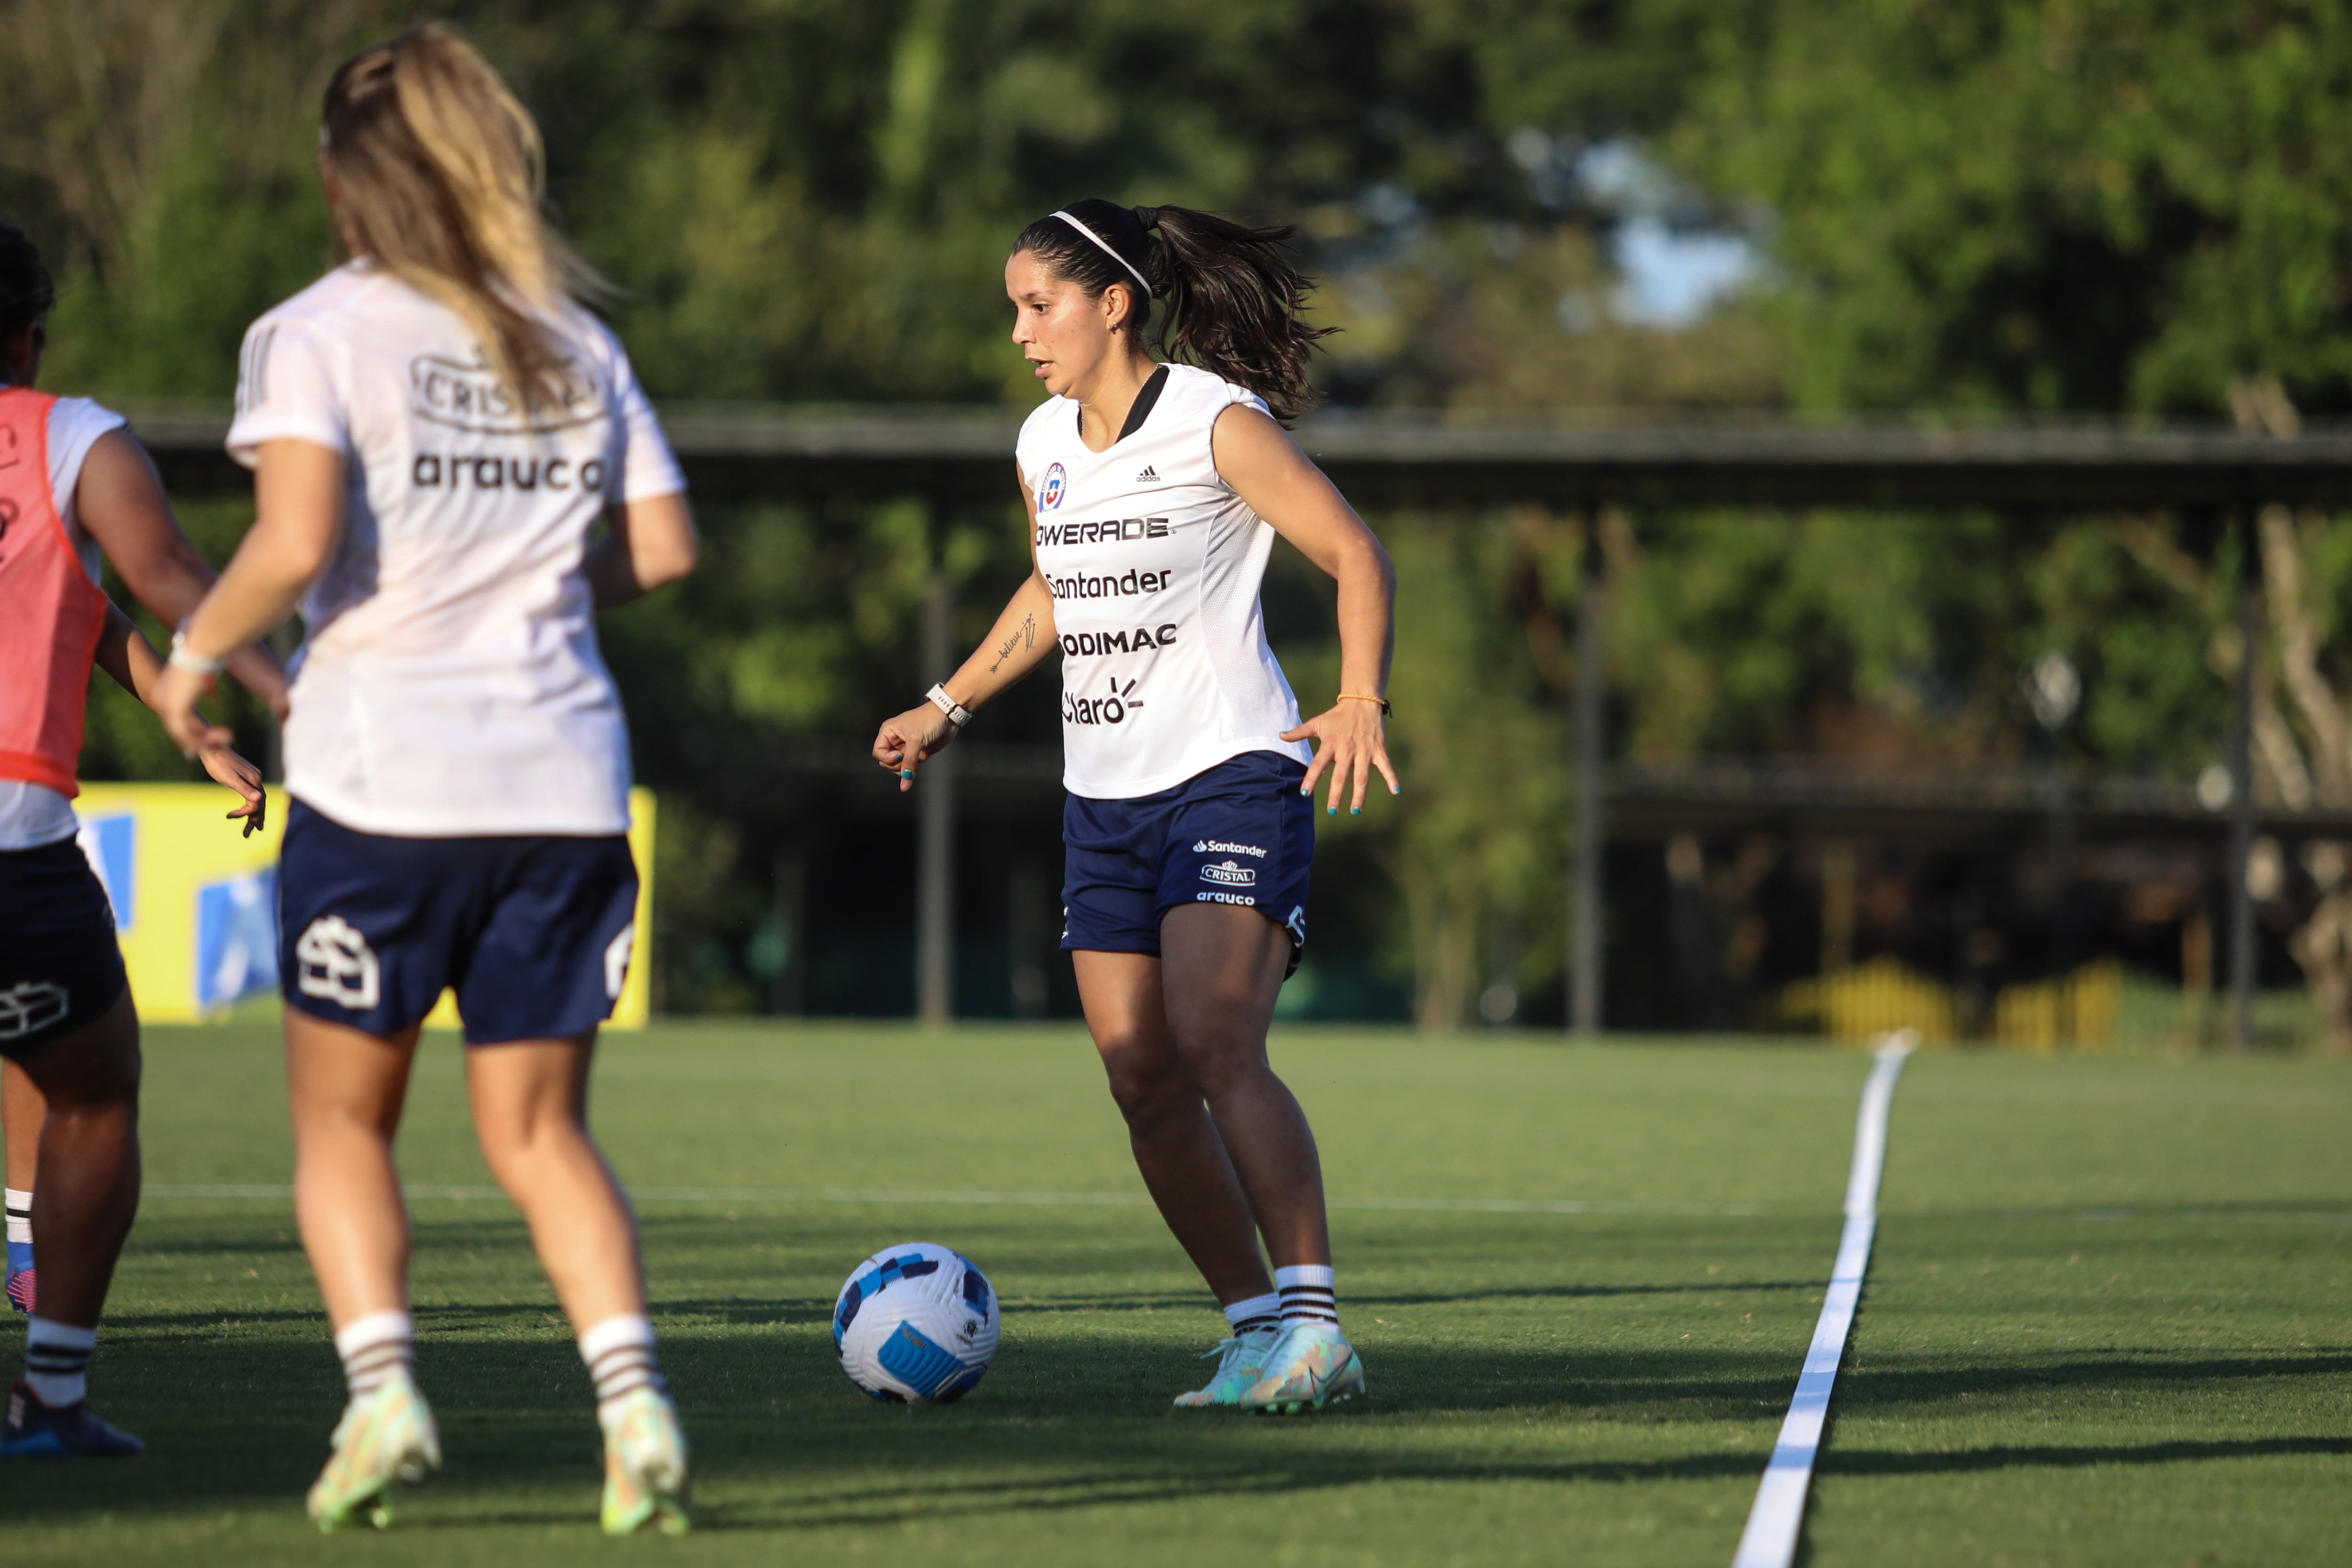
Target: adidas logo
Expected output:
[1150,476]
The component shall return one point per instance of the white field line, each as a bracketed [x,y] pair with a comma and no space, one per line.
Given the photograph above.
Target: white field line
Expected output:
[1769,1540]
[281,1193]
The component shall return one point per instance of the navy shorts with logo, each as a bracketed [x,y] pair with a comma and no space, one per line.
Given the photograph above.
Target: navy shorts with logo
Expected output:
[60,969]
[534,933]
[1239,834]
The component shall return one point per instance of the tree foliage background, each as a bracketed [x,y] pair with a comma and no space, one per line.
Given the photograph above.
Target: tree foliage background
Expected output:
[2104,207]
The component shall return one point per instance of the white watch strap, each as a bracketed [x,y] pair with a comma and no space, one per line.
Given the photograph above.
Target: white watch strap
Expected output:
[958,714]
[187,659]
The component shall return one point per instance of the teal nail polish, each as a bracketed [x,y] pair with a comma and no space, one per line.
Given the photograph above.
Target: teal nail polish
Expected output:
[906,773]
[1334,811]
[1355,811]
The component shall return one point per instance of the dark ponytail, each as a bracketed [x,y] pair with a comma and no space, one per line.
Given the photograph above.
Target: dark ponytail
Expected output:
[26,293]
[1232,297]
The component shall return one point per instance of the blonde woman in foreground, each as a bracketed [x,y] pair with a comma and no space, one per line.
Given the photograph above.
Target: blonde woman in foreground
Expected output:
[437,429]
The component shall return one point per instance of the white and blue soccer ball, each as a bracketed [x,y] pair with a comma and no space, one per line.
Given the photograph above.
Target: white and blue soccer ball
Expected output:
[916,1323]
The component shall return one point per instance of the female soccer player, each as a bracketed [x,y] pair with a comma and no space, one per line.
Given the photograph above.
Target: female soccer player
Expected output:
[1154,494]
[108,499]
[437,428]
[68,1030]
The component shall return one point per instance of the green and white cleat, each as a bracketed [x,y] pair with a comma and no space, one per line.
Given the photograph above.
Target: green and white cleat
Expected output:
[386,1437]
[644,1466]
[1241,1362]
[1308,1367]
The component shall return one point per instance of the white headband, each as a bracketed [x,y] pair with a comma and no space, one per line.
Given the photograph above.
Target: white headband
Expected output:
[1106,250]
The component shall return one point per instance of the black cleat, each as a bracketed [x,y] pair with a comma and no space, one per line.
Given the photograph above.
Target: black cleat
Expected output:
[75,1431]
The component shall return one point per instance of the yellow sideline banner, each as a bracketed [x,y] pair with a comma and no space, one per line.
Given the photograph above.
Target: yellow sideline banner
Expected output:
[195,902]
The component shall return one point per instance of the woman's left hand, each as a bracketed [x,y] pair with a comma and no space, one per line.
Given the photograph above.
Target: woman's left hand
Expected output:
[177,692]
[1353,742]
[230,769]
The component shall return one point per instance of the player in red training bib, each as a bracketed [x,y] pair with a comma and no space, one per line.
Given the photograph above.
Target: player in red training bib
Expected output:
[1155,492]
[69,480]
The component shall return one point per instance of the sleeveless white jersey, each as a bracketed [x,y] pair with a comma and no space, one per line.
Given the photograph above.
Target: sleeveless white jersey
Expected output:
[449,683]
[1155,565]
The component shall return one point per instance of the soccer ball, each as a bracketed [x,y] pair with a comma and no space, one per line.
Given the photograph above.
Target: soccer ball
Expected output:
[917,1323]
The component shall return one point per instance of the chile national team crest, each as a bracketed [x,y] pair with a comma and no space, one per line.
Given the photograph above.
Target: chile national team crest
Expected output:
[1049,494]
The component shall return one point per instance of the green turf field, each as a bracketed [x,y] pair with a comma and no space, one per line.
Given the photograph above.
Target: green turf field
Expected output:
[2108,1320]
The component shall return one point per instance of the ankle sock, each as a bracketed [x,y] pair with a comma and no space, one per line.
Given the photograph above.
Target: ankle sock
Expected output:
[1257,1312]
[374,1348]
[620,1356]
[20,1230]
[56,1362]
[1307,1294]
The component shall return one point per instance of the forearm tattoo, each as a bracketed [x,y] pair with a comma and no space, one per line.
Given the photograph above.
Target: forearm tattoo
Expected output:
[1025,636]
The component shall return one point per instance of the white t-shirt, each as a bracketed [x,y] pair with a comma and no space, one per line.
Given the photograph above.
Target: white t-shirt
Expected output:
[32,814]
[450,684]
[1155,564]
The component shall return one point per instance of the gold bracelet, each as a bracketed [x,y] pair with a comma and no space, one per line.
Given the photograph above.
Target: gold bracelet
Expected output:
[1358,696]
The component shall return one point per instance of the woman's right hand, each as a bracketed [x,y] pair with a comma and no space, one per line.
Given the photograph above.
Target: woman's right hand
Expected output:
[906,743]
[177,692]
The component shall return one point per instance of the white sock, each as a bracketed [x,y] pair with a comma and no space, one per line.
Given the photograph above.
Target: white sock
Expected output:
[56,1362]
[1307,1294]
[620,1356]
[1257,1312]
[20,1217]
[374,1347]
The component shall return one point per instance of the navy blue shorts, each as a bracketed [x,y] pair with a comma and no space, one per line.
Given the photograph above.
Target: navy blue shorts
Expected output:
[534,933]
[59,968]
[1239,833]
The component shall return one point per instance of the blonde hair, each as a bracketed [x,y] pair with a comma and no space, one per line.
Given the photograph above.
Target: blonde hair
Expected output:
[440,175]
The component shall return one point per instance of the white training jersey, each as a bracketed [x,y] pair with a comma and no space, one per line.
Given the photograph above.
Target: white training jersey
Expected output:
[1154,563]
[33,814]
[450,684]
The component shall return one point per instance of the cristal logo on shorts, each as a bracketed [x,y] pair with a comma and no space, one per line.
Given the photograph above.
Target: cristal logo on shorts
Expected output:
[617,954]
[29,1008]
[338,966]
[1232,874]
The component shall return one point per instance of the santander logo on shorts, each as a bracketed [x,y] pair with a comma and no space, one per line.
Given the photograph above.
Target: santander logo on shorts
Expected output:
[338,966]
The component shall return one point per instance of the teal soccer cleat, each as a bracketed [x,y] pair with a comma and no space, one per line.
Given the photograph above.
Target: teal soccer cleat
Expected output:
[1311,1365]
[385,1436]
[1241,1362]
[645,1467]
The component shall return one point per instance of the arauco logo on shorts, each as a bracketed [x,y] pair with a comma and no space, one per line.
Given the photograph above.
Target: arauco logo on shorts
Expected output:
[338,966]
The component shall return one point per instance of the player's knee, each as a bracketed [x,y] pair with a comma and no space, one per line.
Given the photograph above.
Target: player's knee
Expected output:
[1143,1087]
[97,1070]
[1222,1059]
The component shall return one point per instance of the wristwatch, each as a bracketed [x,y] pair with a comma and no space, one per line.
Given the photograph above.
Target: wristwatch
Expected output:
[958,714]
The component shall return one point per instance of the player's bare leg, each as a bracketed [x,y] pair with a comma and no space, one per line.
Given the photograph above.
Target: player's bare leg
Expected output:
[346,1088]
[84,1202]
[1224,969]
[530,1114]
[22,1110]
[1183,1159]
